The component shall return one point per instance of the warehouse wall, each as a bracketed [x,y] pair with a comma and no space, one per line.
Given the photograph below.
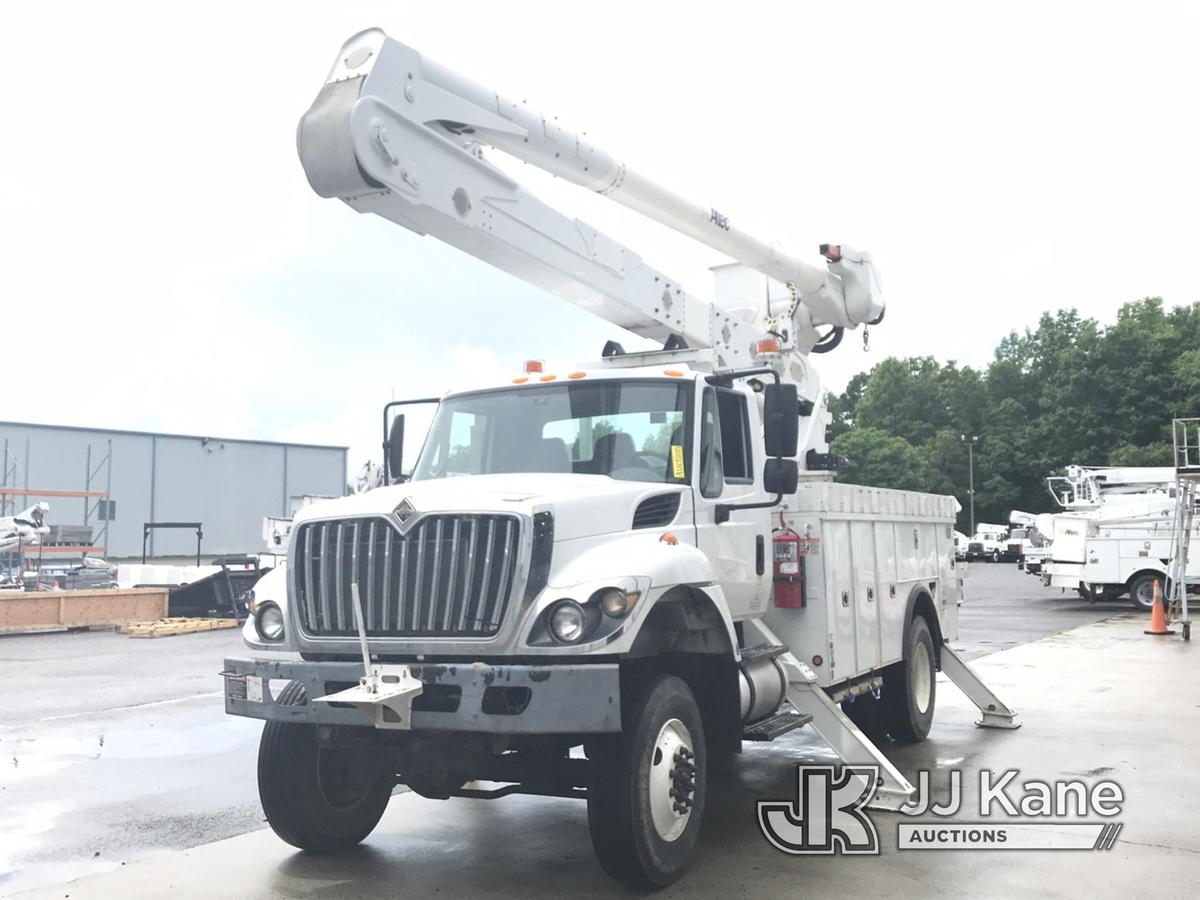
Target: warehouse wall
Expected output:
[228,485]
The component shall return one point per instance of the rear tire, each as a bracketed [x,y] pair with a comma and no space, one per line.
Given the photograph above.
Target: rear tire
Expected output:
[638,779]
[869,714]
[314,797]
[910,687]
[1141,590]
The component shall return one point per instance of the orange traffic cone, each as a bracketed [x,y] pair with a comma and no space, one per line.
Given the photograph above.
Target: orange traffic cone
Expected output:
[1158,614]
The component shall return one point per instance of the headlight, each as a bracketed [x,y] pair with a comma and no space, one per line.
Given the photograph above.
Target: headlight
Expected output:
[616,602]
[268,621]
[568,622]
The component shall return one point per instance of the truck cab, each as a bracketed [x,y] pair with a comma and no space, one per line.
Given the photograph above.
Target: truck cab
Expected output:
[989,543]
[571,552]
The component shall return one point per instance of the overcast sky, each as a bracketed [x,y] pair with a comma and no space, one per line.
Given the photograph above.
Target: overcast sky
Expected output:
[164,264]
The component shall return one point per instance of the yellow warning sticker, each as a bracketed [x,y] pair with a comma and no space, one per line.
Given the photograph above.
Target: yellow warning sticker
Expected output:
[676,461]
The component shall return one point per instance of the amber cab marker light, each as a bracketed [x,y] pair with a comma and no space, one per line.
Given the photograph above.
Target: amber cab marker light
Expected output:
[575,375]
[667,538]
[520,380]
[547,377]
[673,373]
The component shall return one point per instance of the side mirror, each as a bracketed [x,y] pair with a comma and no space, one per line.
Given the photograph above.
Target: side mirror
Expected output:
[781,476]
[781,420]
[395,449]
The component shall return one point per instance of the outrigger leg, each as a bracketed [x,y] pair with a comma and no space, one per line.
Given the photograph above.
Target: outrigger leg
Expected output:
[995,714]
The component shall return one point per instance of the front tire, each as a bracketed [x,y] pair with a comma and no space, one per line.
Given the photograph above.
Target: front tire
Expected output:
[320,799]
[648,786]
[910,687]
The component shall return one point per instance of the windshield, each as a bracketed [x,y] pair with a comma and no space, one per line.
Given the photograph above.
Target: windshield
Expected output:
[627,430]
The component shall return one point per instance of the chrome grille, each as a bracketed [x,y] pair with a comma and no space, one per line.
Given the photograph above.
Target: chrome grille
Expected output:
[449,575]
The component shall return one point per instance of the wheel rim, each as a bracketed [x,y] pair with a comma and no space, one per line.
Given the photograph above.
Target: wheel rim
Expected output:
[922,680]
[672,781]
[1145,594]
[337,781]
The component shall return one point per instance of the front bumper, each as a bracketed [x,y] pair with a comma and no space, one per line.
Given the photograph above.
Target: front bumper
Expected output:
[475,697]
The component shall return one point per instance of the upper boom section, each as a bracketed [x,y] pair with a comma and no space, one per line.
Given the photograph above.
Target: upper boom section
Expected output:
[397,134]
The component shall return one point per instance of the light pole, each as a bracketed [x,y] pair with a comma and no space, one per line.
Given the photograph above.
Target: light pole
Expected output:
[971,441]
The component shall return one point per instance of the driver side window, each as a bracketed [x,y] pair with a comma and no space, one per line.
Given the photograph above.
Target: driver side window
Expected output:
[711,464]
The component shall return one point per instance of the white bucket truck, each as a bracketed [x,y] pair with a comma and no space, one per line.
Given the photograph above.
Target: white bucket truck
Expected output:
[596,580]
[1113,537]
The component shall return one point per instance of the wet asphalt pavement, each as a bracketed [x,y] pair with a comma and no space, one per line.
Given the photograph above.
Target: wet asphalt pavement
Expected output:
[114,750]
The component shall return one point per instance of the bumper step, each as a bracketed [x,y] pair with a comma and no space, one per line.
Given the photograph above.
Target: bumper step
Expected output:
[763,651]
[774,726]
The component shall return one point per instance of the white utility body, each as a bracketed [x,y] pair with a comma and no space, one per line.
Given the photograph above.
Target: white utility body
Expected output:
[645,556]
[1114,535]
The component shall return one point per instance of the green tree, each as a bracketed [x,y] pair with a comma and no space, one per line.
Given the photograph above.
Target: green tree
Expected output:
[1065,391]
[1160,453]
[881,459]
[844,406]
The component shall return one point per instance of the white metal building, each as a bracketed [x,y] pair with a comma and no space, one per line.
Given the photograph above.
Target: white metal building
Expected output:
[227,485]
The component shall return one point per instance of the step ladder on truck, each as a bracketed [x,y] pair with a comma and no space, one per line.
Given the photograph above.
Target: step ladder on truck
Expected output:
[1185,434]
[595,582]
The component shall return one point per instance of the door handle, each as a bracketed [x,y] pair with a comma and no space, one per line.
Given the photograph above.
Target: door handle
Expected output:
[760,554]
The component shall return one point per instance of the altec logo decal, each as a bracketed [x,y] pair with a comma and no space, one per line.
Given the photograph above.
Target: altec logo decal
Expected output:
[829,814]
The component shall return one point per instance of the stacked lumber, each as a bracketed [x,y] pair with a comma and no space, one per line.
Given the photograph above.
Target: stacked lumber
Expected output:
[176,625]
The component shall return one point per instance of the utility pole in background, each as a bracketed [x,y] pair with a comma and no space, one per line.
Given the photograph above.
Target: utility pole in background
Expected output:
[970,441]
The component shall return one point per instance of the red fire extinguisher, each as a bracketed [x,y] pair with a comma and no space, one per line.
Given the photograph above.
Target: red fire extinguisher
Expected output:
[789,569]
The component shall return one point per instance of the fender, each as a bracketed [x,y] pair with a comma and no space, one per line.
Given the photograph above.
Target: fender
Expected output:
[669,568]
[919,601]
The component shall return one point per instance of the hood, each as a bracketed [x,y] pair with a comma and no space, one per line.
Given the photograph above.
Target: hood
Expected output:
[583,505]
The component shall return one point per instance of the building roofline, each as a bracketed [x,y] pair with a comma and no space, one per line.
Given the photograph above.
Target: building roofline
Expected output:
[168,434]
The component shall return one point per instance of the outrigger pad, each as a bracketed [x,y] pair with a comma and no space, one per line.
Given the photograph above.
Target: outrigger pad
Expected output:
[385,695]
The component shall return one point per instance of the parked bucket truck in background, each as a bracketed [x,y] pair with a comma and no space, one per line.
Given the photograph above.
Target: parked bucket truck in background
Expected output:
[1114,534]
[596,580]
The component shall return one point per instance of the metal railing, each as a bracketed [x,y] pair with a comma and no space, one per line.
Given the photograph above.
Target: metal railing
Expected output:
[1185,434]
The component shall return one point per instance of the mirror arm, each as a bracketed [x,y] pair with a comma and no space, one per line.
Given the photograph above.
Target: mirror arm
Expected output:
[724,509]
[726,378]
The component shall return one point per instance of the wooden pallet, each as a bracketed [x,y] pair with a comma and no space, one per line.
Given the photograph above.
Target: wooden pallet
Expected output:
[172,626]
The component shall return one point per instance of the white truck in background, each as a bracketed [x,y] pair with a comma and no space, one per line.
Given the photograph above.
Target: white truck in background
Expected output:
[1042,539]
[1113,536]
[988,543]
[595,580]
[961,542]
[1117,549]
[1024,537]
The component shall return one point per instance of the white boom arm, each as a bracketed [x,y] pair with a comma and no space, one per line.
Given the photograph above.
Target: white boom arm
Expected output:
[398,135]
